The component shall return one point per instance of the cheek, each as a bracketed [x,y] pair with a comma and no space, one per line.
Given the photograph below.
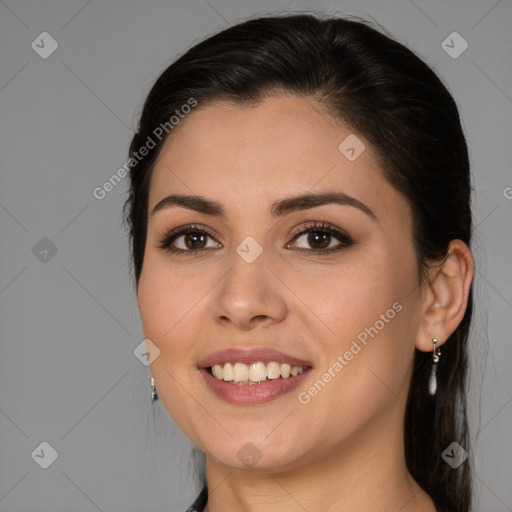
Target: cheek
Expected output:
[152,295]
[375,306]
[372,314]
[351,296]
[165,297]
[365,374]
[163,306]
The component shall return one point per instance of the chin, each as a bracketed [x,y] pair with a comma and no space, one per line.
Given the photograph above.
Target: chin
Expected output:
[251,454]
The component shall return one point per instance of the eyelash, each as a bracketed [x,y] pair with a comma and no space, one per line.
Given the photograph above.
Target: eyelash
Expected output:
[313,227]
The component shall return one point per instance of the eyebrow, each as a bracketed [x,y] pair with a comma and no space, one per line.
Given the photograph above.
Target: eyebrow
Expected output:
[278,209]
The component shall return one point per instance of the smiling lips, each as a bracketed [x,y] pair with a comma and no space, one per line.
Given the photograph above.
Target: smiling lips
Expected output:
[246,377]
[240,373]
[250,356]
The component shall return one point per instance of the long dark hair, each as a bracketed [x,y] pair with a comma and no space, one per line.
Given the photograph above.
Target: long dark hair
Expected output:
[385,92]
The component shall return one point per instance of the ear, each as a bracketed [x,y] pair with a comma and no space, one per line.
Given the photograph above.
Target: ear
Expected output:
[446,295]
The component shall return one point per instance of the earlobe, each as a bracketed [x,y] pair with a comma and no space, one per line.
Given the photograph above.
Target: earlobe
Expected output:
[446,297]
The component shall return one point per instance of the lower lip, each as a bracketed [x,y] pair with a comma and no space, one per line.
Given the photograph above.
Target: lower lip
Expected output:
[248,394]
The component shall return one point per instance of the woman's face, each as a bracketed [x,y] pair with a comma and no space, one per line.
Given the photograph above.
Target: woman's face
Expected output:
[347,305]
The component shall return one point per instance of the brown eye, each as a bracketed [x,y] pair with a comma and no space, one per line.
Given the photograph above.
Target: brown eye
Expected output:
[187,240]
[194,240]
[320,238]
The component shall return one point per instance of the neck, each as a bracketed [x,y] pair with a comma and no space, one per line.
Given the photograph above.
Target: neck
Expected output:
[366,472]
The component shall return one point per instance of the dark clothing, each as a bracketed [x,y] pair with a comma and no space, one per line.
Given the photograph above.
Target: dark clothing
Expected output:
[200,503]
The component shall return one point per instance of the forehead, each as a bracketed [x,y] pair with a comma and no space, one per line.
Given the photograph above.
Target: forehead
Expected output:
[277,147]
[270,127]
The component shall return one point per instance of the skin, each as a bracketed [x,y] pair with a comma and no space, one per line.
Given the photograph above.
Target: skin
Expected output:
[344,449]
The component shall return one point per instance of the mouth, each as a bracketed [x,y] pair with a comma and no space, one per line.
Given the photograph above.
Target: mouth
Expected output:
[240,373]
[247,377]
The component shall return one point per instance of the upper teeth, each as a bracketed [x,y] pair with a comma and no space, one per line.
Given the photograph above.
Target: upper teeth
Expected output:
[256,372]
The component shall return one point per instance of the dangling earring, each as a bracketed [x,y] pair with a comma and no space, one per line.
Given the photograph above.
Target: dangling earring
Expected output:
[154,394]
[432,382]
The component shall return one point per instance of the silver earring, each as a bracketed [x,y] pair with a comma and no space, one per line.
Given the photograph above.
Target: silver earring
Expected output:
[154,394]
[432,382]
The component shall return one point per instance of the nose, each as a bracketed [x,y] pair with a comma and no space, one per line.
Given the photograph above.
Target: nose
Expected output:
[250,295]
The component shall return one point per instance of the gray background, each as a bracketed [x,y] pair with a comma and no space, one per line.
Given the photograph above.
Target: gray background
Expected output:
[69,321]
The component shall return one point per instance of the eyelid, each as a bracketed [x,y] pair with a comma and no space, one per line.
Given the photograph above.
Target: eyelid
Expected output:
[321,226]
[170,236]
[345,240]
